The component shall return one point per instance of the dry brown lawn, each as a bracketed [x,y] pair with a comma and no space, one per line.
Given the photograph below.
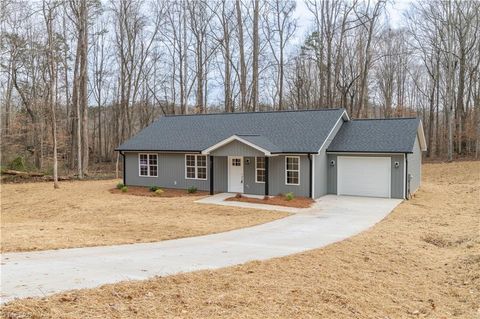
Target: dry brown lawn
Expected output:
[85,213]
[422,261]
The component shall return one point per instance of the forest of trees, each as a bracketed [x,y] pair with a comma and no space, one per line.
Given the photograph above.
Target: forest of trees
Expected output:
[78,77]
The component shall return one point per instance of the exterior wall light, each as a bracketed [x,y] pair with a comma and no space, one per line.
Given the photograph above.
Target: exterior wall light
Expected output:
[397,164]
[332,163]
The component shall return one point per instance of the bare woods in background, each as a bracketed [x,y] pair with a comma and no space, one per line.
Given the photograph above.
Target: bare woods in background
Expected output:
[78,77]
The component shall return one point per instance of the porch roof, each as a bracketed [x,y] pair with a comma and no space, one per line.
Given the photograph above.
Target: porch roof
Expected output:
[258,142]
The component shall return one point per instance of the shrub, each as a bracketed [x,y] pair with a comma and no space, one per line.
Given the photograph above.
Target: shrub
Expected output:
[289,196]
[154,188]
[238,195]
[159,192]
[120,185]
[18,164]
[124,189]
[192,189]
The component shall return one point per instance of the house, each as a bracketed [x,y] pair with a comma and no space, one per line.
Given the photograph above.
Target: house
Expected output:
[308,152]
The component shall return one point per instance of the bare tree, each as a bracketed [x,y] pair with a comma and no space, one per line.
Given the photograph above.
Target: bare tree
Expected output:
[280,27]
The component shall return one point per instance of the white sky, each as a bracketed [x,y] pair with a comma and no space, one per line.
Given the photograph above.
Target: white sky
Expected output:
[395,10]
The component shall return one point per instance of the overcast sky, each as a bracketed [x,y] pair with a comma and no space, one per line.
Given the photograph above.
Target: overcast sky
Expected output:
[304,17]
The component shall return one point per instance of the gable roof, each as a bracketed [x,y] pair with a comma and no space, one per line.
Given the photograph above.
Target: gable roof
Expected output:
[278,132]
[258,142]
[396,135]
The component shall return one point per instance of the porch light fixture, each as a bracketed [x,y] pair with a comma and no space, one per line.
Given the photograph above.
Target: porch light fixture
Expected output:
[397,164]
[332,163]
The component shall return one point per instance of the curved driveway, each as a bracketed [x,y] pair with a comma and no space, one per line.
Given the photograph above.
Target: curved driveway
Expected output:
[332,218]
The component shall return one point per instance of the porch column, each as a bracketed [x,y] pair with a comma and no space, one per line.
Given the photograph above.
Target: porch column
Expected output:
[211,174]
[266,176]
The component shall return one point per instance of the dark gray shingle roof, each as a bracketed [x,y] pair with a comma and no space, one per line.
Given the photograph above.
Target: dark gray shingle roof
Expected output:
[261,141]
[376,135]
[287,131]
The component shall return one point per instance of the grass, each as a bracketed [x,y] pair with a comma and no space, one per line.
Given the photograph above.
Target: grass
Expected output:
[422,261]
[86,213]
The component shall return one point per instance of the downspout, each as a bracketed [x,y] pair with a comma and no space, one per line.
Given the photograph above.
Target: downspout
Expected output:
[310,158]
[124,170]
[407,182]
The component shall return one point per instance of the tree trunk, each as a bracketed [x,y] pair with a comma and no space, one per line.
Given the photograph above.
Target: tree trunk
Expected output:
[243,68]
[256,13]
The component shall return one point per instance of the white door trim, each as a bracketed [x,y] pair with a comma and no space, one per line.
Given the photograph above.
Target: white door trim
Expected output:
[229,179]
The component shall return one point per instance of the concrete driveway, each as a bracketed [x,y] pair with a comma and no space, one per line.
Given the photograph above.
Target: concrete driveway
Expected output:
[332,218]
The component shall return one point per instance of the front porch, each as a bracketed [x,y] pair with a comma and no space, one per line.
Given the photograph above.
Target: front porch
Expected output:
[239,165]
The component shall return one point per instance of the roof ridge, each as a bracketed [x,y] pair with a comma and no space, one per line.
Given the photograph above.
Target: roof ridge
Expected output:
[260,112]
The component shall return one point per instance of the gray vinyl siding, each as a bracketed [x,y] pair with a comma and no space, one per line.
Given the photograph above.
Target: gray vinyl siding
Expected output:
[397,176]
[250,186]
[415,166]
[321,165]
[236,148]
[276,174]
[171,173]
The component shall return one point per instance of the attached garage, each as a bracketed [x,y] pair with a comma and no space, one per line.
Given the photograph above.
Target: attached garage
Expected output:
[364,176]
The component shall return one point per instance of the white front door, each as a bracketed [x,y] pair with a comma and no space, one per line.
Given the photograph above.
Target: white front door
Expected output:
[235,174]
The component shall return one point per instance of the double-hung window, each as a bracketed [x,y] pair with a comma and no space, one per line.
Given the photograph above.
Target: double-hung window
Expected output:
[292,170]
[260,169]
[148,165]
[195,166]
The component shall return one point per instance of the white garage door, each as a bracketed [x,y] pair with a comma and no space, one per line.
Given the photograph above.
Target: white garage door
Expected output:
[363,176]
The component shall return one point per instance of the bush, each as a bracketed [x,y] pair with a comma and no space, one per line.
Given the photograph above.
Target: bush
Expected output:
[159,192]
[238,195]
[289,196]
[192,189]
[154,188]
[124,189]
[18,164]
[120,185]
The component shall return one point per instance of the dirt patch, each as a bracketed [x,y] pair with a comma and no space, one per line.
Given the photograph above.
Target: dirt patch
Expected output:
[85,213]
[167,192]
[389,271]
[297,202]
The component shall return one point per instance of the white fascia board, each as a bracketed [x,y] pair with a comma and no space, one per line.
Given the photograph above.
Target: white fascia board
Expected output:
[364,153]
[235,138]
[421,137]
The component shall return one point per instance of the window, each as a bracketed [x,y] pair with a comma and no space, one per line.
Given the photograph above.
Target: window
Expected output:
[148,165]
[236,162]
[260,169]
[292,170]
[196,166]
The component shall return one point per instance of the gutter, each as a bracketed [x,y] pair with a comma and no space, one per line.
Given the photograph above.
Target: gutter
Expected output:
[158,151]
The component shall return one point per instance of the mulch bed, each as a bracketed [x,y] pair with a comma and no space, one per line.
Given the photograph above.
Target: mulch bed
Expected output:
[297,202]
[167,192]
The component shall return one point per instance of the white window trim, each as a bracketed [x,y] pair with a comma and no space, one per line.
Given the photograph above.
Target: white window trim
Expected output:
[256,169]
[196,167]
[298,157]
[148,164]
